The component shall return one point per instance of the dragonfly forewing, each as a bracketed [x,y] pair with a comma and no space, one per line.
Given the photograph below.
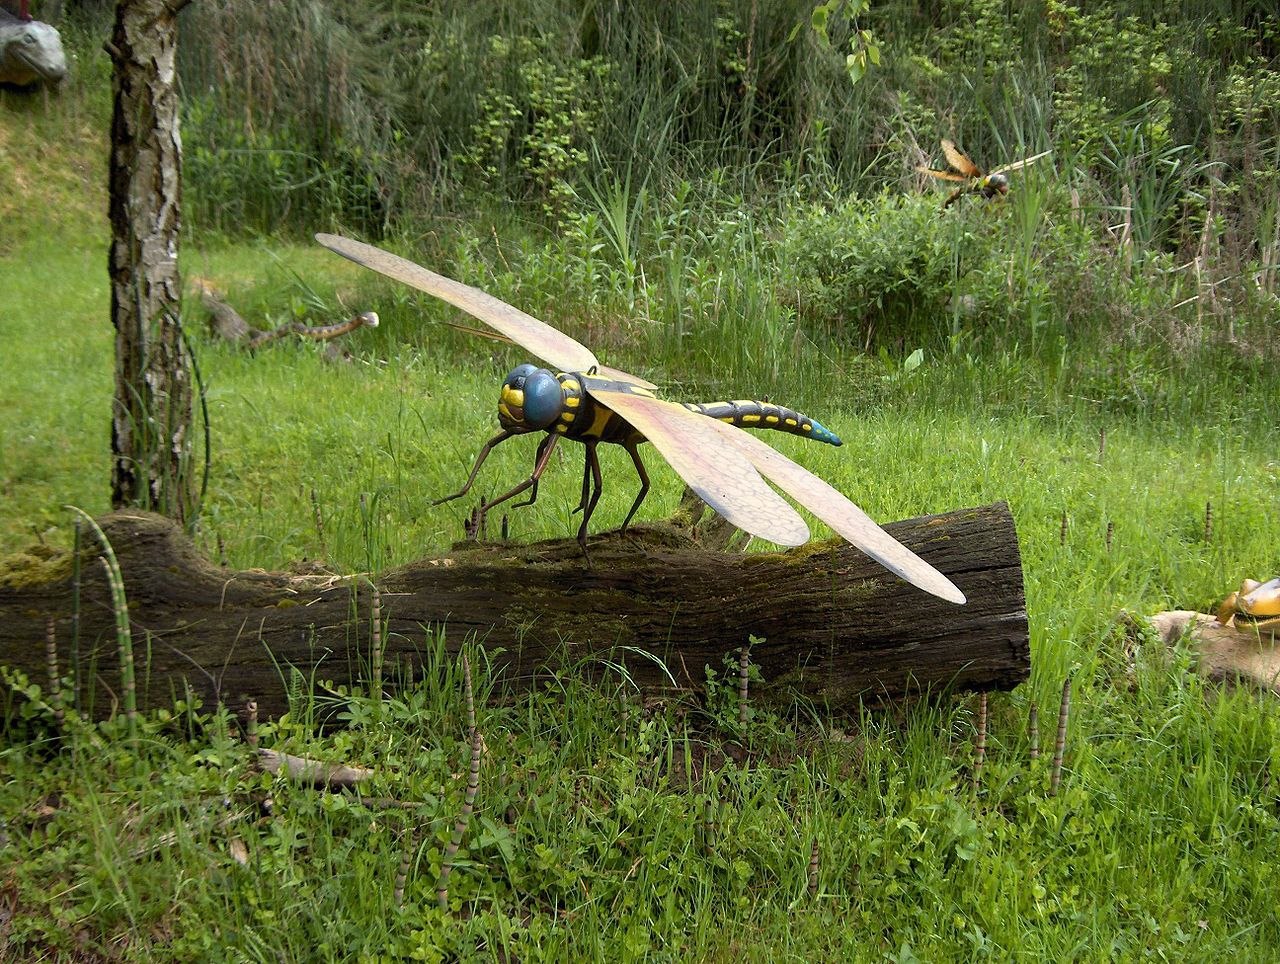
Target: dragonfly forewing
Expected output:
[550,344]
[840,514]
[960,160]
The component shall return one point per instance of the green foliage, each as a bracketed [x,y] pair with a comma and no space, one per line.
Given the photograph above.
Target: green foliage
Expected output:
[874,265]
[541,126]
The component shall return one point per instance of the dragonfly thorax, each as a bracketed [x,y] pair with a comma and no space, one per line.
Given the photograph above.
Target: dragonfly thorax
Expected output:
[994,184]
[532,399]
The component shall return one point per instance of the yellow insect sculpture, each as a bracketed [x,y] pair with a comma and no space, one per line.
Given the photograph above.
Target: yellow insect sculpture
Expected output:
[972,178]
[591,403]
[1256,604]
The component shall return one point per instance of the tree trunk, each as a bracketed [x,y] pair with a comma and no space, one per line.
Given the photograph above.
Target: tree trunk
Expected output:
[835,626]
[152,410]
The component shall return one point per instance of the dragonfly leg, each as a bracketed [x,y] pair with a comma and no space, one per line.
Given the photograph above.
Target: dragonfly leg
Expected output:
[545,444]
[543,460]
[593,470]
[489,446]
[634,452]
[586,486]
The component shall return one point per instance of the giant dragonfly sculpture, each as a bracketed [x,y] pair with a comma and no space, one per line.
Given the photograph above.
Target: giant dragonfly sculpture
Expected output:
[971,176]
[590,403]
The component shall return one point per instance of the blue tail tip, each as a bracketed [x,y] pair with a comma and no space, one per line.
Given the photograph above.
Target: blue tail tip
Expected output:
[824,434]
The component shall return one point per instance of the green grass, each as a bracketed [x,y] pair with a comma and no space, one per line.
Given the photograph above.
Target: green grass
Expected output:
[589,839]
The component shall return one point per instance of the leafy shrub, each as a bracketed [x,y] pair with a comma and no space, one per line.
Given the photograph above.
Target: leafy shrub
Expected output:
[871,268]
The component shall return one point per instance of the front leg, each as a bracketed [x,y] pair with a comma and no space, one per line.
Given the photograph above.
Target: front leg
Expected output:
[543,459]
[543,447]
[489,446]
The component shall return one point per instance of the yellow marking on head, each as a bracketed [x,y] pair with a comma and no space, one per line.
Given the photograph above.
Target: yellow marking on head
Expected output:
[505,412]
[572,401]
[513,396]
[792,422]
[750,419]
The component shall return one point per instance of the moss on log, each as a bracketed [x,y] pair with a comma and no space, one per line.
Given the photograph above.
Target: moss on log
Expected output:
[836,626]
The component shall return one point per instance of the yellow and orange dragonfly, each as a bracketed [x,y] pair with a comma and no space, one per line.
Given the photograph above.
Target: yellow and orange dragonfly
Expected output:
[583,400]
[971,176]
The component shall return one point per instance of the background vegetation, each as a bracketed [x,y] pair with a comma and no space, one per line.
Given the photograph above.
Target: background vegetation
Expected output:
[715,206]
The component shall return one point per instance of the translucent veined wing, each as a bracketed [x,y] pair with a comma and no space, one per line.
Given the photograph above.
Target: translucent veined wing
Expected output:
[960,160]
[539,338]
[1019,165]
[838,512]
[719,472]
[942,175]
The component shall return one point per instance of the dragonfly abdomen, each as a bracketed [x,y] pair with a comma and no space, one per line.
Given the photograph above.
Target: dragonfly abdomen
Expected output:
[750,413]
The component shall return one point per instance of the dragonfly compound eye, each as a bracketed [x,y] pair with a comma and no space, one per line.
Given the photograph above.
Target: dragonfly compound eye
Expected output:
[531,399]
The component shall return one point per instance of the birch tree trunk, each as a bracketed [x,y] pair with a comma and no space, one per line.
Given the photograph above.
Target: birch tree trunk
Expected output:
[152,410]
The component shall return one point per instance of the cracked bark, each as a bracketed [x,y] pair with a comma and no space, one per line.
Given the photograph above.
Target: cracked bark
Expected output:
[152,409]
[836,626]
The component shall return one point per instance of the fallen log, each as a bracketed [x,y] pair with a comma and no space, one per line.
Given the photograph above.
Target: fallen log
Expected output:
[836,627]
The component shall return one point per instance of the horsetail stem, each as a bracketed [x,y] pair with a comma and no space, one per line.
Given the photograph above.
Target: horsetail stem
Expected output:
[469,798]
[251,724]
[318,516]
[1060,745]
[980,744]
[406,859]
[743,667]
[813,868]
[1035,730]
[460,827]
[75,619]
[376,685]
[51,659]
[471,701]
[124,642]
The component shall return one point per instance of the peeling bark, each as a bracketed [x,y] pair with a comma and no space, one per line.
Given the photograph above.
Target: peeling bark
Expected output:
[836,626]
[152,409]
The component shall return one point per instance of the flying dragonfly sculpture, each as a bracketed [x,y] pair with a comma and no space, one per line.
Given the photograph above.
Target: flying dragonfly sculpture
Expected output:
[972,178]
[591,403]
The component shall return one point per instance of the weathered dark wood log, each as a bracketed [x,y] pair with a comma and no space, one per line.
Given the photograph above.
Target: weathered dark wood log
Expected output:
[836,626]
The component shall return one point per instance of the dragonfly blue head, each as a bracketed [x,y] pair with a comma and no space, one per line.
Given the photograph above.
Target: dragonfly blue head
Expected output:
[531,399]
